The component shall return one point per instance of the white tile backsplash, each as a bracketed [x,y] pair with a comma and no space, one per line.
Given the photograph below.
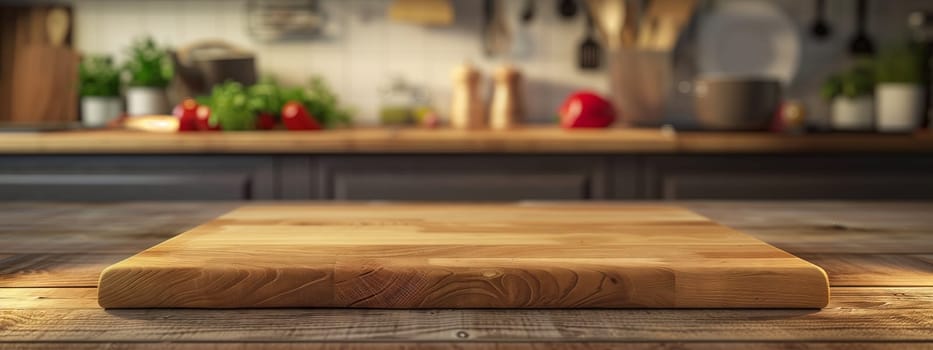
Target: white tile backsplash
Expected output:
[365,49]
[366,52]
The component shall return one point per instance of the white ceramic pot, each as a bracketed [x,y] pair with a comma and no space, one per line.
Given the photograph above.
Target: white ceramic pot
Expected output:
[144,100]
[853,114]
[900,107]
[97,111]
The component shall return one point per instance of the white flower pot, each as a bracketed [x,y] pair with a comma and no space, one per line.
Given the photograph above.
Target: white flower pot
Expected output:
[144,100]
[97,111]
[853,114]
[900,107]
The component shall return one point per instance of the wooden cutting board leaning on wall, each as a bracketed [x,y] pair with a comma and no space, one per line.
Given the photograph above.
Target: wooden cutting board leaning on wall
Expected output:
[8,17]
[37,65]
[463,256]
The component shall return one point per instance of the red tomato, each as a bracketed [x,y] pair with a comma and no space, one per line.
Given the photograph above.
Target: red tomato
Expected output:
[586,109]
[204,119]
[186,111]
[265,121]
[296,117]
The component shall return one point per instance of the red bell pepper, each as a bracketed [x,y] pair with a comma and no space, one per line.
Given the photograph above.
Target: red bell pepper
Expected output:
[296,117]
[265,121]
[585,109]
[186,112]
[204,119]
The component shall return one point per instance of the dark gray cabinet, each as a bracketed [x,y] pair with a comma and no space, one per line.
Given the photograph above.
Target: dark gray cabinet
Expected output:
[788,177]
[122,178]
[461,178]
[465,177]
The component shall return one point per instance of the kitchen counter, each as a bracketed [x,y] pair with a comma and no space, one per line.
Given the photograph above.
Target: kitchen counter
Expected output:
[542,140]
[537,163]
[879,257]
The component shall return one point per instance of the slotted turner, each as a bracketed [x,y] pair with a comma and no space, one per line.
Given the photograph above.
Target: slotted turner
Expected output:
[590,53]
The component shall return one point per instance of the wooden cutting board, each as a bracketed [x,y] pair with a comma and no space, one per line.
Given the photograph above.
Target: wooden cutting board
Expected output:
[45,69]
[463,256]
[46,89]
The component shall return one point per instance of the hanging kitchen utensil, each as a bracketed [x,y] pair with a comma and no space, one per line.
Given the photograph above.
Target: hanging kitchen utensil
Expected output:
[485,35]
[285,20]
[663,22]
[496,40]
[612,17]
[861,43]
[820,29]
[423,12]
[590,54]
[631,15]
[567,9]
[528,14]
[519,22]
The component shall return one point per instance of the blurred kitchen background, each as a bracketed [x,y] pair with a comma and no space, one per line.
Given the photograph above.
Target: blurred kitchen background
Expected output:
[802,77]
[360,51]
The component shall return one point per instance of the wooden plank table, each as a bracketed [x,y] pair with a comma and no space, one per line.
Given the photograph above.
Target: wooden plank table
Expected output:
[879,257]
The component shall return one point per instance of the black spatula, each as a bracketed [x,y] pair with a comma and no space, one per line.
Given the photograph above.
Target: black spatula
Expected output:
[591,54]
[861,44]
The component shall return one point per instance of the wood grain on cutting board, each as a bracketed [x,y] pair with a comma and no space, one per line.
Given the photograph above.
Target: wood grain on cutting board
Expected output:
[463,256]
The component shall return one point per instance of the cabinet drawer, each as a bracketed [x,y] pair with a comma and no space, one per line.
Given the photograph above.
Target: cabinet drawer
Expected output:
[464,178]
[454,187]
[789,177]
[119,178]
[124,187]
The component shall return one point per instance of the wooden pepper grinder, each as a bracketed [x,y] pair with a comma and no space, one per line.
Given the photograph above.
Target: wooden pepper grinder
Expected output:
[507,109]
[467,106]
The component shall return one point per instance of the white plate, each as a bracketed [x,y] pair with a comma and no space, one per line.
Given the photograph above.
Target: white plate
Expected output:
[748,39]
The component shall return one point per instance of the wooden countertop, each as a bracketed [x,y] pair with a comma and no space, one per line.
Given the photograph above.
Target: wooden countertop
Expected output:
[545,140]
[879,257]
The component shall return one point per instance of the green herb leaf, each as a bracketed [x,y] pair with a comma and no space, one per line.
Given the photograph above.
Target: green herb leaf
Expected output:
[901,63]
[98,76]
[148,64]
[857,81]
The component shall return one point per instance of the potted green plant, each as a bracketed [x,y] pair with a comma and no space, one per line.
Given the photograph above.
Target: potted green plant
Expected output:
[99,87]
[850,94]
[900,80]
[149,72]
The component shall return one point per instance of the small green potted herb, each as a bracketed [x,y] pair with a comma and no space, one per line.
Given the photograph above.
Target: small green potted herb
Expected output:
[850,94]
[149,72]
[99,87]
[229,104]
[900,90]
